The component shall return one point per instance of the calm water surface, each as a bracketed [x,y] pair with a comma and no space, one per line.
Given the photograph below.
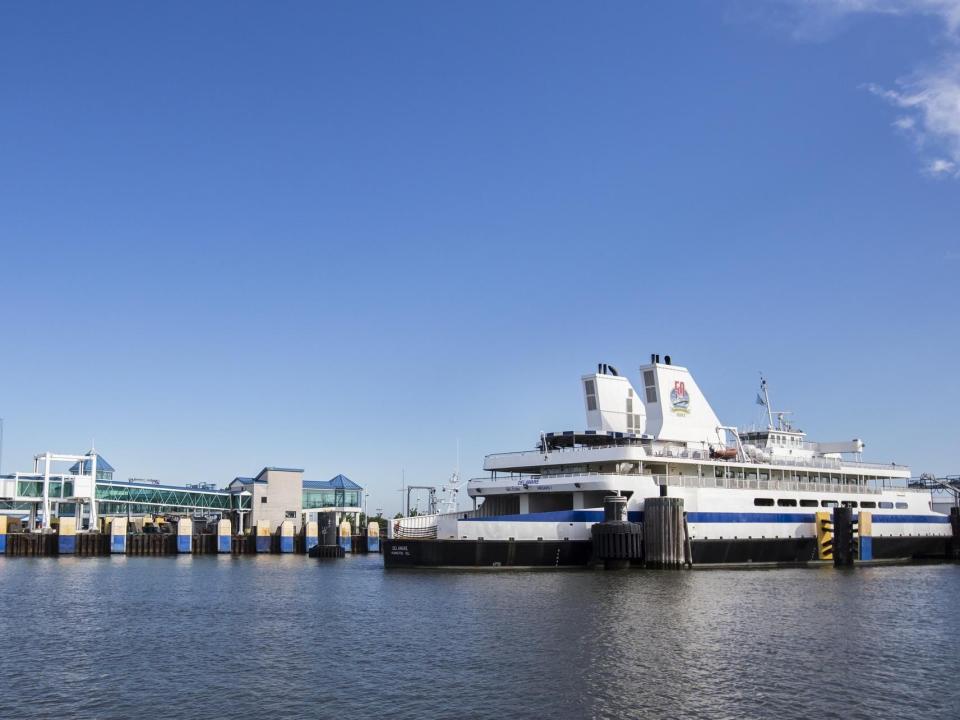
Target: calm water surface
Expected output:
[283,636]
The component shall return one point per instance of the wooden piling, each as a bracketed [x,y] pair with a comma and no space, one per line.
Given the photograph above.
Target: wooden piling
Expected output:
[663,533]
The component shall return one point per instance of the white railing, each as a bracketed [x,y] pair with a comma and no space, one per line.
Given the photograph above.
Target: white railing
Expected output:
[686,454]
[734,483]
[423,527]
[541,478]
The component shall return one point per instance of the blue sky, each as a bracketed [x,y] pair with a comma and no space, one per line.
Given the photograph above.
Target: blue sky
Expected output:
[342,236]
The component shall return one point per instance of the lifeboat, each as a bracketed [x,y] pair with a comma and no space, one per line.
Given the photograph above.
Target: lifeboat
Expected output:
[723,453]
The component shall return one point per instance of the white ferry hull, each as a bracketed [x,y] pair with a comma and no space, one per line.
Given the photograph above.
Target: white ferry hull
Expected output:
[725,526]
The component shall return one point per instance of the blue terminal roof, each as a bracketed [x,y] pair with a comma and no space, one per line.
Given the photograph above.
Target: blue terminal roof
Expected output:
[240,484]
[340,482]
[102,464]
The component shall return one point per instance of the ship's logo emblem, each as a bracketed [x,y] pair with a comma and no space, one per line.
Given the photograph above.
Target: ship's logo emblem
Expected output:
[679,399]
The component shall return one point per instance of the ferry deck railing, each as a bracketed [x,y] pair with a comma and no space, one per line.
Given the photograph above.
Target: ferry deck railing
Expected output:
[424,527]
[873,487]
[822,463]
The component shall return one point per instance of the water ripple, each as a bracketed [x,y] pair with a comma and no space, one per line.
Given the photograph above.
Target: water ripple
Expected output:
[233,637]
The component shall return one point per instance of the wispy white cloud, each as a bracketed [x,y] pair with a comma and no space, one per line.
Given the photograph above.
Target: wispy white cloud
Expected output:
[929,98]
[946,10]
[932,100]
[942,167]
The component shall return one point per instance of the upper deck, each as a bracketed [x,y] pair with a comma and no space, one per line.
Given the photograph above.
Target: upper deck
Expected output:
[670,425]
[538,462]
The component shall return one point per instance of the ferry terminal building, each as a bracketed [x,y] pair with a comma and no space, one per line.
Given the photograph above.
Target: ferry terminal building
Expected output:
[83,487]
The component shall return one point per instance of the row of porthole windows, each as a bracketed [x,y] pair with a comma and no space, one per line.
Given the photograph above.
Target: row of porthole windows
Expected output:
[864,504]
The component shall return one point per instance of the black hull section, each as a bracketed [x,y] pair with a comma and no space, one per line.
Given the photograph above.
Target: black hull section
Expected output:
[579,553]
[486,553]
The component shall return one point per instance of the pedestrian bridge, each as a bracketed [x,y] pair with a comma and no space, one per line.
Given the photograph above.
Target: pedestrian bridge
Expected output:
[21,491]
[115,497]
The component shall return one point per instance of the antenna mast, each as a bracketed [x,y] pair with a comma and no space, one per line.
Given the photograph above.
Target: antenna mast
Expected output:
[766,400]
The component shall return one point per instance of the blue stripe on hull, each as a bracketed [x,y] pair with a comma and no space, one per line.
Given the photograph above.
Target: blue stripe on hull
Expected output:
[223,543]
[184,543]
[3,544]
[937,519]
[373,544]
[286,544]
[263,543]
[118,544]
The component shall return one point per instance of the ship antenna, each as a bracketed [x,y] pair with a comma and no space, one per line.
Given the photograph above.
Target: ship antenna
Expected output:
[766,399]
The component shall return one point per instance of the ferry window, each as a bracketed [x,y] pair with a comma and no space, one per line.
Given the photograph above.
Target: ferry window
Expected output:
[901,506]
[849,503]
[787,502]
[828,503]
[263,499]
[808,503]
[629,405]
[650,386]
[591,390]
[763,502]
[868,504]
[885,505]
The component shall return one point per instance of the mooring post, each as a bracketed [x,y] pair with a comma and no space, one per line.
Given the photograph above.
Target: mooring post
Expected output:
[373,537]
[311,535]
[264,537]
[615,541]
[184,535]
[67,536]
[865,533]
[843,540]
[286,536]
[346,541]
[663,532]
[118,536]
[223,536]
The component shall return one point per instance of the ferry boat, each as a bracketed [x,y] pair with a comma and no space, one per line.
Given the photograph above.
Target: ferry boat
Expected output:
[750,495]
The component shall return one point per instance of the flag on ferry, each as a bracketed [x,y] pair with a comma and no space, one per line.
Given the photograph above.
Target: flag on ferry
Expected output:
[760,400]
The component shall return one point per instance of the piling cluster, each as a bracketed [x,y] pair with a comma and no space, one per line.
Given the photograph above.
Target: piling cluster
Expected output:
[119,537]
